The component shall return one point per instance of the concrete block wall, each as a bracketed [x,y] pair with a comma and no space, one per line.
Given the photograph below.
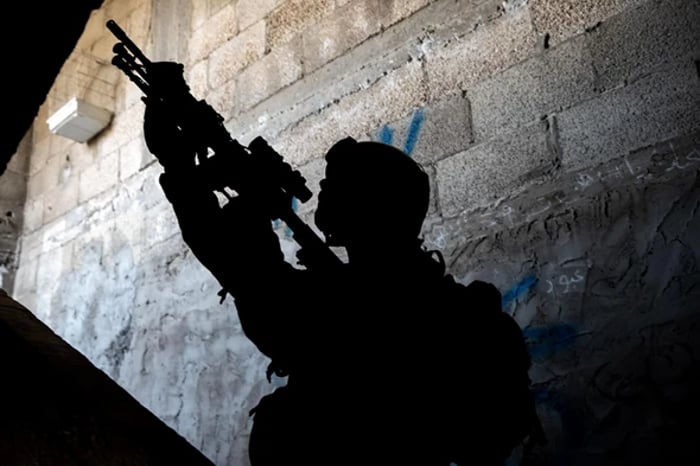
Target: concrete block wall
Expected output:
[563,144]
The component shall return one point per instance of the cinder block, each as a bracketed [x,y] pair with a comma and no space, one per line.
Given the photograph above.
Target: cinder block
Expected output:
[19,162]
[236,54]
[59,145]
[33,214]
[98,83]
[633,42]
[103,48]
[393,12]
[125,126]
[197,77]
[138,23]
[162,223]
[355,70]
[13,186]
[252,11]
[524,93]
[199,14]
[61,200]
[98,98]
[52,264]
[39,155]
[44,179]
[216,5]
[214,32]
[146,184]
[117,10]
[99,177]
[80,157]
[223,99]
[662,105]
[25,278]
[314,172]
[133,156]
[491,48]
[562,19]
[494,169]
[32,243]
[276,70]
[130,95]
[398,93]
[40,129]
[432,132]
[292,17]
[339,32]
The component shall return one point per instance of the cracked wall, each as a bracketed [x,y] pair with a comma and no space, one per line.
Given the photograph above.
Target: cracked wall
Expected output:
[563,144]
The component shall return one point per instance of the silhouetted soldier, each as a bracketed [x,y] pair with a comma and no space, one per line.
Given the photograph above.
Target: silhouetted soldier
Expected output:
[390,361]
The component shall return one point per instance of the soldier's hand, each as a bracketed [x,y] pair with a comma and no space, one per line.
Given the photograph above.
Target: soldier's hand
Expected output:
[164,138]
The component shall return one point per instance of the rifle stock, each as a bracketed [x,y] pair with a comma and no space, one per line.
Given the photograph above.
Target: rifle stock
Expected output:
[223,161]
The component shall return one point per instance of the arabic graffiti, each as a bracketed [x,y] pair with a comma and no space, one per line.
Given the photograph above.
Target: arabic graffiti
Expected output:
[659,165]
[638,171]
[568,277]
[544,341]
[565,283]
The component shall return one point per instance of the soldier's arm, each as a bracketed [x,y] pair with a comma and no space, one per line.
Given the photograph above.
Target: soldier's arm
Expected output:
[238,245]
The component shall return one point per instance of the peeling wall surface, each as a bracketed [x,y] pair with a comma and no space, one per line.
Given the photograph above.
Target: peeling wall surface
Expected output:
[562,139]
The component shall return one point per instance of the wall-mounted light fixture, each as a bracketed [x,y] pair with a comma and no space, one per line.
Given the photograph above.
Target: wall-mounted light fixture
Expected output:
[79,120]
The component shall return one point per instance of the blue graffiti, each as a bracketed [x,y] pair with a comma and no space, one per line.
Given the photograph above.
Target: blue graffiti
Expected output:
[517,290]
[542,341]
[414,131]
[386,134]
[545,341]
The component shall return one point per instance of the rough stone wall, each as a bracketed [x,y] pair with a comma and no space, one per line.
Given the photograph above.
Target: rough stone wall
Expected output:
[13,191]
[563,144]
[59,410]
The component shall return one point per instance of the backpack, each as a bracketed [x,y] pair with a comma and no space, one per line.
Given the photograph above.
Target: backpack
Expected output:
[489,406]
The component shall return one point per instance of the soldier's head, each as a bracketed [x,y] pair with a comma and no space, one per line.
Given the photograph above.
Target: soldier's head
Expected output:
[371,192]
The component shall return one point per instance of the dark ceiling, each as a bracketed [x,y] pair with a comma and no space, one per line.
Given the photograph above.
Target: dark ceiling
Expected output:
[37,39]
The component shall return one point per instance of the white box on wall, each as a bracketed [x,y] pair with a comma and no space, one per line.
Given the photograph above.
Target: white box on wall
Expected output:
[79,120]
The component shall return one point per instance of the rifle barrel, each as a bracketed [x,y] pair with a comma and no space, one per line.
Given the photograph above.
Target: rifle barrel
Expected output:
[128,43]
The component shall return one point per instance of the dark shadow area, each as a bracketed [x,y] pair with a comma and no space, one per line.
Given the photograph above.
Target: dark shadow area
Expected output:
[638,408]
[36,45]
[60,410]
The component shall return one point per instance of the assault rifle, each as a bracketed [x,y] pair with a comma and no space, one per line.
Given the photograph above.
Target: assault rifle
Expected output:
[222,162]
